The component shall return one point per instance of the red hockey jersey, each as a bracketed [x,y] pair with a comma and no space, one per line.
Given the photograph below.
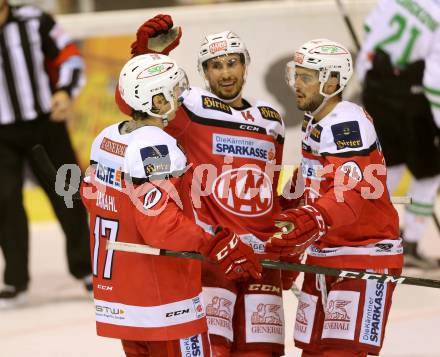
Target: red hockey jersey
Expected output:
[130,197]
[234,167]
[345,175]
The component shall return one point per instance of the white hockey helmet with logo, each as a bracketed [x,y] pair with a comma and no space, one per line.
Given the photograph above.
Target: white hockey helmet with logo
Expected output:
[325,56]
[221,44]
[145,76]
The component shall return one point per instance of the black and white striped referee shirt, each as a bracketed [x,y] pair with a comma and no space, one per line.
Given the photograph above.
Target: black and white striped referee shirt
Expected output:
[29,39]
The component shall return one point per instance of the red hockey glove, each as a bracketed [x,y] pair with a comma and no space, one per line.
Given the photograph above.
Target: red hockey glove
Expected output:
[237,259]
[300,228]
[288,277]
[156,36]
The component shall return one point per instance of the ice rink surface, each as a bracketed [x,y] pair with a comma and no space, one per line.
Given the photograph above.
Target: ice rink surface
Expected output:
[59,320]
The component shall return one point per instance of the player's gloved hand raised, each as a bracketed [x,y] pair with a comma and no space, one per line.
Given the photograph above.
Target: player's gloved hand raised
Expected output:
[156,35]
[300,227]
[237,259]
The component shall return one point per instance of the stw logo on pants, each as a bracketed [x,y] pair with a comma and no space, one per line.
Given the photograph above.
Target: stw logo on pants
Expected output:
[246,191]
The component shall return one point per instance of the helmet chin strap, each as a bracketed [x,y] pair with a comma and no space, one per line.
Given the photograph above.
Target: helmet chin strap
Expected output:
[325,100]
[320,106]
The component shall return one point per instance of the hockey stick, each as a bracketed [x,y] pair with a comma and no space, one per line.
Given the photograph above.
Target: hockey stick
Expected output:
[48,173]
[349,24]
[270,264]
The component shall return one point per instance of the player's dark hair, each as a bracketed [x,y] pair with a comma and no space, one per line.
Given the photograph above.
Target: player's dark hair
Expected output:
[138,115]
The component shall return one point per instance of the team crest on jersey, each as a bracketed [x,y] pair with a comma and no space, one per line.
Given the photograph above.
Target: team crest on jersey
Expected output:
[152,198]
[245,191]
[347,135]
[352,169]
[241,146]
[269,113]
[215,104]
[156,159]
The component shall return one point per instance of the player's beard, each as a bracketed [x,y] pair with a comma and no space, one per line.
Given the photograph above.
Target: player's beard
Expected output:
[312,104]
[222,93]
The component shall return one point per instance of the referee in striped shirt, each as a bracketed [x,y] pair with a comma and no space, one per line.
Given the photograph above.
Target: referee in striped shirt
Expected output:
[41,70]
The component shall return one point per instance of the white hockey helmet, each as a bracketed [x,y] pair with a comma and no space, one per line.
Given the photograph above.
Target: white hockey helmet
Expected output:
[326,57]
[221,44]
[145,76]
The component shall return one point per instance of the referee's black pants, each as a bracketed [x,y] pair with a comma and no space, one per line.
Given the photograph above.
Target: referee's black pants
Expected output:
[16,141]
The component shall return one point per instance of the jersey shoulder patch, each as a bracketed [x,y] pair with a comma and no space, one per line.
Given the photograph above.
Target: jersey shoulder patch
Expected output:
[316,132]
[347,135]
[113,147]
[156,159]
[305,122]
[153,154]
[347,131]
[215,104]
[152,198]
[103,142]
[269,113]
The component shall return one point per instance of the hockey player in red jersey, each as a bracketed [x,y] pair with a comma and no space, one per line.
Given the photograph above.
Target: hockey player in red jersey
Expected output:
[152,303]
[348,220]
[234,146]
